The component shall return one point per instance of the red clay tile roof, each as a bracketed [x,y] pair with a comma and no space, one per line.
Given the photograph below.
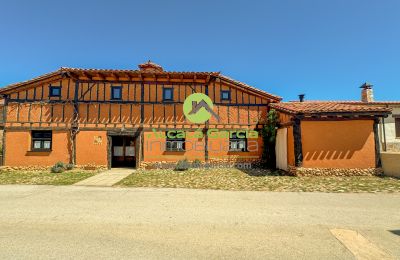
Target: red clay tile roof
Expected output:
[65,70]
[357,102]
[327,107]
[374,103]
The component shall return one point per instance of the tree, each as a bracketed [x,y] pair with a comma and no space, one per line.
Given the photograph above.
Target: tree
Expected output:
[269,139]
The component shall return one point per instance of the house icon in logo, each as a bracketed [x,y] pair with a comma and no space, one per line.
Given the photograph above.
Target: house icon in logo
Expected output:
[198,108]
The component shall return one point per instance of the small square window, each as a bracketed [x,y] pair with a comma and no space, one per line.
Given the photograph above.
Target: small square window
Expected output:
[116,93]
[168,94]
[237,144]
[174,144]
[55,91]
[225,95]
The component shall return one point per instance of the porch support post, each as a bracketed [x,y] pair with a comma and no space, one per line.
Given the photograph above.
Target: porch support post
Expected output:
[139,146]
[4,147]
[378,163]
[109,152]
[298,146]
[141,103]
[207,123]
[384,135]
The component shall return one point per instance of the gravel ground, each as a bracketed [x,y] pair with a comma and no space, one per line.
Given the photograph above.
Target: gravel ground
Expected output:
[257,180]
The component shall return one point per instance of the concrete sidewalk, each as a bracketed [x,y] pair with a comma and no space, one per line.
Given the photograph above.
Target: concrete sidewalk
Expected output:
[107,178]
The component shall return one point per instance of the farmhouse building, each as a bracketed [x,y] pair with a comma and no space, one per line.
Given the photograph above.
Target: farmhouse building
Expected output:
[117,118]
[149,116]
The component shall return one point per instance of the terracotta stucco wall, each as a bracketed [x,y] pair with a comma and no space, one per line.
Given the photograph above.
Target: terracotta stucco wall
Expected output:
[338,144]
[18,149]
[91,148]
[154,149]
[219,150]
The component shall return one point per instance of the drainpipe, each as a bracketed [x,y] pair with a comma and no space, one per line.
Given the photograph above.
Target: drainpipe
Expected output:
[384,135]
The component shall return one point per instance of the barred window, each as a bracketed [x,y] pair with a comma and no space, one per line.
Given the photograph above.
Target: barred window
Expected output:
[175,144]
[41,140]
[397,123]
[237,144]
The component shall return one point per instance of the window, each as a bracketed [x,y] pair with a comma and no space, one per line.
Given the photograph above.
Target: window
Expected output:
[225,95]
[168,94]
[116,92]
[397,123]
[174,144]
[41,140]
[237,144]
[55,91]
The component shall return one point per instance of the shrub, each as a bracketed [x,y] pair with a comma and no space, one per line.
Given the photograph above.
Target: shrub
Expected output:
[69,166]
[196,163]
[182,165]
[57,169]
[60,165]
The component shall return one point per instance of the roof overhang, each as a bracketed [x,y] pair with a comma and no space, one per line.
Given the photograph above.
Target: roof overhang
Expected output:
[112,75]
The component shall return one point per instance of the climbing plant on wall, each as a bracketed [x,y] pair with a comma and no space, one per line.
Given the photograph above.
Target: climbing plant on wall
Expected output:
[269,139]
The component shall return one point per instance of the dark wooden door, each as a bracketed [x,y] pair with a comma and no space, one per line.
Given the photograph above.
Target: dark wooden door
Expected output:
[123,151]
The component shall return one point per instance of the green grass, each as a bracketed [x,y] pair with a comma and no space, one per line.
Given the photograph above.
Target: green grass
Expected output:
[44,177]
[257,180]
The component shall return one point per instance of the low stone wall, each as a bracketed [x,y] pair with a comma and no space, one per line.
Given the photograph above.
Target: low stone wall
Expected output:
[47,168]
[393,147]
[300,171]
[391,163]
[25,168]
[212,163]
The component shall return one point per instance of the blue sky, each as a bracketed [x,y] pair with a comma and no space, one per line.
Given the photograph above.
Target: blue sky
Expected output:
[325,49]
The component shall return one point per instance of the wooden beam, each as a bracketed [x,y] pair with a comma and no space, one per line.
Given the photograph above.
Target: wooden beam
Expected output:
[86,75]
[75,123]
[298,146]
[378,162]
[115,76]
[141,101]
[100,75]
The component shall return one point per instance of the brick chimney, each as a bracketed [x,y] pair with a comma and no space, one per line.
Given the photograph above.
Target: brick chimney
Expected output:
[367,93]
[150,67]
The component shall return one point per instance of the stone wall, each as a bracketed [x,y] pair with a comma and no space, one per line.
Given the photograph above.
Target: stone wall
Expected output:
[393,147]
[300,171]
[47,168]
[391,163]
[212,163]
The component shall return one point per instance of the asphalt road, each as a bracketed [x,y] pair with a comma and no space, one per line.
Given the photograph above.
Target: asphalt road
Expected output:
[50,222]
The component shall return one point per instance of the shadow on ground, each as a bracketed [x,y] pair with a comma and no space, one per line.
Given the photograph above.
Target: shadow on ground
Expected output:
[396,232]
